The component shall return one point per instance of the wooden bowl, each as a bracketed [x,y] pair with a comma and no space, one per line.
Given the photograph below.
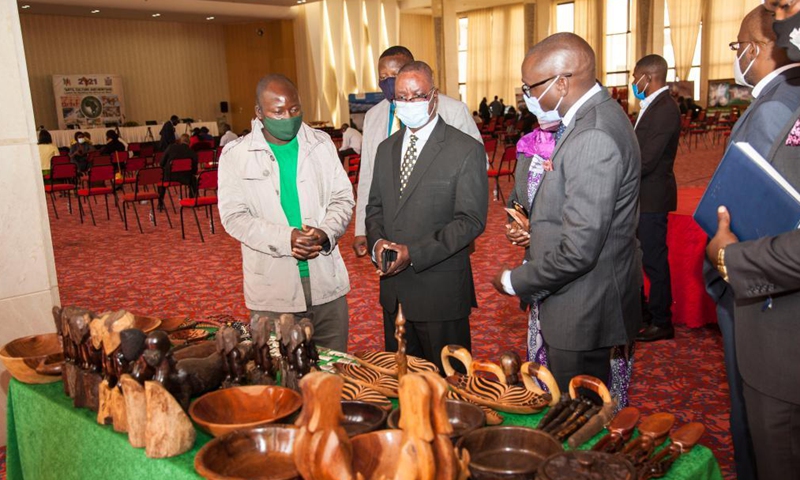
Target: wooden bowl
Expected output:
[264,453]
[376,454]
[512,453]
[237,408]
[362,417]
[464,417]
[195,350]
[24,356]
[145,323]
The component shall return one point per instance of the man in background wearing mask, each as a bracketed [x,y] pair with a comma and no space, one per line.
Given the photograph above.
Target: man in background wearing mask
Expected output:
[381,121]
[584,262]
[427,203]
[284,195]
[763,277]
[759,63]
[658,129]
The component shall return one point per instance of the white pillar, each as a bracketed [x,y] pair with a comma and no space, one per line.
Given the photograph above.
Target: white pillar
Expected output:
[28,284]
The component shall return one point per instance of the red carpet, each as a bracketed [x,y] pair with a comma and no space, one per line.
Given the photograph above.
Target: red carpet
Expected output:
[156,273]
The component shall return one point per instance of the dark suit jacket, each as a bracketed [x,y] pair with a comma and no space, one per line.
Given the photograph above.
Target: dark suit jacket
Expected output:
[658,133]
[761,125]
[174,152]
[584,260]
[768,341]
[167,134]
[443,209]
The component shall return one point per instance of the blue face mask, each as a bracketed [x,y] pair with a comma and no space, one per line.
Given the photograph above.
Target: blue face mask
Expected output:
[535,107]
[640,94]
[387,87]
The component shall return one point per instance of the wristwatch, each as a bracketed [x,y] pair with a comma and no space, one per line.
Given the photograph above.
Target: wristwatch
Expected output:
[721,264]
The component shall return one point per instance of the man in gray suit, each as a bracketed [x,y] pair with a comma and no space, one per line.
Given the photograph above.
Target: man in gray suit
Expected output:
[584,261]
[428,202]
[763,65]
[381,121]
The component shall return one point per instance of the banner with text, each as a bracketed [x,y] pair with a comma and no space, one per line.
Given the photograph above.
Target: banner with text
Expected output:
[88,101]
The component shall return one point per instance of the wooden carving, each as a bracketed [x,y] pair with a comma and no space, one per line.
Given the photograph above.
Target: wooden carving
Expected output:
[400,335]
[311,347]
[511,363]
[322,450]
[264,369]
[683,440]
[593,424]
[135,410]
[619,431]
[105,333]
[234,358]
[653,430]
[169,432]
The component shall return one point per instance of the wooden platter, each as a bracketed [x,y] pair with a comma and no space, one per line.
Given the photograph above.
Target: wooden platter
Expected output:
[385,363]
[496,395]
[367,377]
[361,393]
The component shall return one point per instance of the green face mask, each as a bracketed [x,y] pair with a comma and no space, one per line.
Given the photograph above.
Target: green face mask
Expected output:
[283,129]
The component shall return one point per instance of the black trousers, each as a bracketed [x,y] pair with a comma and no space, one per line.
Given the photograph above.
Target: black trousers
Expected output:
[653,237]
[775,426]
[346,152]
[565,364]
[426,339]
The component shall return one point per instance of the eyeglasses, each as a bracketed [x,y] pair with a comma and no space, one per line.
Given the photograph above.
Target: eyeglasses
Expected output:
[735,46]
[526,89]
[417,98]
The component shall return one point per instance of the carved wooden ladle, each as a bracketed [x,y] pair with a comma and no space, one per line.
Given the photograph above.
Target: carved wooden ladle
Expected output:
[654,430]
[619,431]
[683,440]
[594,424]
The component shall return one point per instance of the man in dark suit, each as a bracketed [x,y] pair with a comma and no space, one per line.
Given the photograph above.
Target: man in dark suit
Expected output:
[776,83]
[584,260]
[428,202]
[175,151]
[658,130]
[167,133]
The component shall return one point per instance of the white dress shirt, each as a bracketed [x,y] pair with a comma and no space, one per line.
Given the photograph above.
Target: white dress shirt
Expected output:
[351,138]
[647,101]
[228,137]
[765,81]
[505,278]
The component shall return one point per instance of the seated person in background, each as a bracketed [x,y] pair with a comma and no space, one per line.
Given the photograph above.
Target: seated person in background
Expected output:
[178,150]
[476,117]
[351,142]
[79,151]
[195,137]
[511,114]
[227,135]
[205,135]
[245,132]
[201,139]
[46,150]
[113,144]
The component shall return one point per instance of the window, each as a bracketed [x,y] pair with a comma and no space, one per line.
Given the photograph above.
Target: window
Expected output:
[669,56]
[565,17]
[618,34]
[463,22]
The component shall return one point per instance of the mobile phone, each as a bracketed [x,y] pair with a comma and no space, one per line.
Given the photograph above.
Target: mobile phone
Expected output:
[520,208]
[387,257]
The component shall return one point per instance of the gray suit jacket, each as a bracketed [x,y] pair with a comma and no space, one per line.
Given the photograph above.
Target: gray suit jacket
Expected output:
[442,210]
[767,340]
[584,261]
[376,130]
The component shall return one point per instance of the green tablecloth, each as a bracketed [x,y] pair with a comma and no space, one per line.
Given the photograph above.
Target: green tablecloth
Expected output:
[49,439]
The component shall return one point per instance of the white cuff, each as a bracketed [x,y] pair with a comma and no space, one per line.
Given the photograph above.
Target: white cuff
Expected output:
[505,279]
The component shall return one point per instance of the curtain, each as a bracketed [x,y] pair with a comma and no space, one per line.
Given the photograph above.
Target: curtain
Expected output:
[495,51]
[589,26]
[416,34]
[725,18]
[684,21]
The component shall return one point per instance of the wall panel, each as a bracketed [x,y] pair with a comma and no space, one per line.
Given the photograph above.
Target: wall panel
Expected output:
[167,68]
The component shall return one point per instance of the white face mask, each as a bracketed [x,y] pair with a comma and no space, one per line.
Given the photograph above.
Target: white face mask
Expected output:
[535,107]
[81,140]
[413,114]
[738,74]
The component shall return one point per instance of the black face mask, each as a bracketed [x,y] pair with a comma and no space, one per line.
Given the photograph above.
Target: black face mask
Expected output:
[784,29]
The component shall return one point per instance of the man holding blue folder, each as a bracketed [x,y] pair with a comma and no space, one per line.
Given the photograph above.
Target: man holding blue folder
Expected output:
[764,276]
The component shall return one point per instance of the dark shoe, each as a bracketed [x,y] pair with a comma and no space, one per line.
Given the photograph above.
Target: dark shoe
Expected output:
[654,333]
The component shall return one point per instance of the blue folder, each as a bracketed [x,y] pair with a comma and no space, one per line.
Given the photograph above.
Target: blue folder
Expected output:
[760,201]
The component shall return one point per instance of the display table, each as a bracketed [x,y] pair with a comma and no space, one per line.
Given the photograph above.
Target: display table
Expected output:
[63,138]
[48,438]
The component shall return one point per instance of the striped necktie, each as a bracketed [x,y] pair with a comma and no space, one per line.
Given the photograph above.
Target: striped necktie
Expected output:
[409,160]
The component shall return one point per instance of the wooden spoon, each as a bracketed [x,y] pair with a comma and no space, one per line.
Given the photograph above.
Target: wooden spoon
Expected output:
[654,430]
[619,431]
[683,440]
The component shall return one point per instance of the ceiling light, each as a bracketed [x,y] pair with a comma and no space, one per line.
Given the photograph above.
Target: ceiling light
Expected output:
[299,2]
[156,15]
[25,6]
[95,11]
[209,18]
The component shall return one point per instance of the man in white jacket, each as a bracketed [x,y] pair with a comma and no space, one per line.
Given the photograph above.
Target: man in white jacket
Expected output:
[284,195]
[380,122]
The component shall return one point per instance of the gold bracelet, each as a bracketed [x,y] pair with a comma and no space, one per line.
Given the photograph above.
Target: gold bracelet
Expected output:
[721,264]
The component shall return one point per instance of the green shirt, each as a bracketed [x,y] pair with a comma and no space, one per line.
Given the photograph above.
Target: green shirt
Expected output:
[290,199]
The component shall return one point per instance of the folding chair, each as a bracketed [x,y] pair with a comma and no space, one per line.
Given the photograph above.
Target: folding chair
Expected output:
[509,157]
[56,160]
[176,166]
[205,159]
[490,145]
[99,175]
[130,170]
[206,181]
[67,176]
[144,177]
[353,167]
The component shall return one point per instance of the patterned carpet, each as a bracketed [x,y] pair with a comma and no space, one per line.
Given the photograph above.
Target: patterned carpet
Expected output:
[156,273]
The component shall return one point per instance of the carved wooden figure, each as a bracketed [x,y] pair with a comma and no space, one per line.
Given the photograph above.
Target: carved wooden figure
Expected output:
[234,359]
[169,431]
[311,347]
[653,431]
[264,370]
[322,450]
[619,431]
[683,440]
[107,330]
[400,334]
[511,363]
[61,318]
